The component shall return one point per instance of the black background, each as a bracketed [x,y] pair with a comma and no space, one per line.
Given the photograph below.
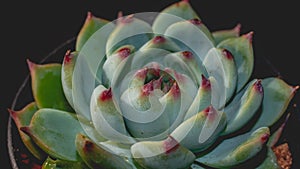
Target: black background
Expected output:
[31,30]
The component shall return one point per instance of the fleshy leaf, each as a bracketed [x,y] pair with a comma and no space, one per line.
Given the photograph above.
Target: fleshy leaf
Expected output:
[99,157]
[23,118]
[129,31]
[106,119]
[179,11]
[202,99]
[236,150]
[47,87]
[242,51]
[162,154]
[50,163]
[67,74]
[201,130]
[54,131]
[219,64]
[243,107]
[277,96]
[222,35]
[91,25]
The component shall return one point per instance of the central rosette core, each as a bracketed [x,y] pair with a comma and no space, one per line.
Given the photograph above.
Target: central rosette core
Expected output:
[154,96]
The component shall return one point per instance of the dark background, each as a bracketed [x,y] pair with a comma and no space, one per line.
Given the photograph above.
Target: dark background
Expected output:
[31,30]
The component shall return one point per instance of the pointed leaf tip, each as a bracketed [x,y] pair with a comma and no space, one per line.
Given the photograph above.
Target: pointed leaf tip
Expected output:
[26,130]
[237,28]
[11,112]
[196,21]
[170,145]
[89,15]
[68,57]
[205,82]
[264,138]
[258,86]
[249,36]
[227,54]
[105,95]
[120,14]
[187,54]
[295,89]
[30,64]
[158,39]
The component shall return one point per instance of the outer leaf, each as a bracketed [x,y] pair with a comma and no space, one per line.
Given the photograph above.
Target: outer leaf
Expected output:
[98,157]
[277,96]
[201,130]
[162,154]
[222,35]
[244,106]
[91,25]
[50,163]
[23,118]
[47,87]
[54,131]
[236,150]
[106,119]
[67,74]
[176,12]
[242,51]
[219,63]
[202,99]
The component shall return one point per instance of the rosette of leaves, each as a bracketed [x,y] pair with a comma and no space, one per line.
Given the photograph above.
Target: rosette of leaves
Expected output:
[162,93]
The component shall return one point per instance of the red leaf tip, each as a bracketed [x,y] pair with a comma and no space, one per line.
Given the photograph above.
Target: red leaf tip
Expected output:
[124,19]
[227,54]
[187,54]
[196,21]
[147,88]
[25,129]
[89,15]
[30,64]
[105,95]
[264,138]
[295,88]
[249,36]
[158,39]
[205,83]
[124,52]
[237,28]
[258,86]
[68,57]
[170,145]
[88,146]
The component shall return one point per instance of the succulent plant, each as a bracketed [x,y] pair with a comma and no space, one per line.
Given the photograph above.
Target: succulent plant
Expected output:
[162,93]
